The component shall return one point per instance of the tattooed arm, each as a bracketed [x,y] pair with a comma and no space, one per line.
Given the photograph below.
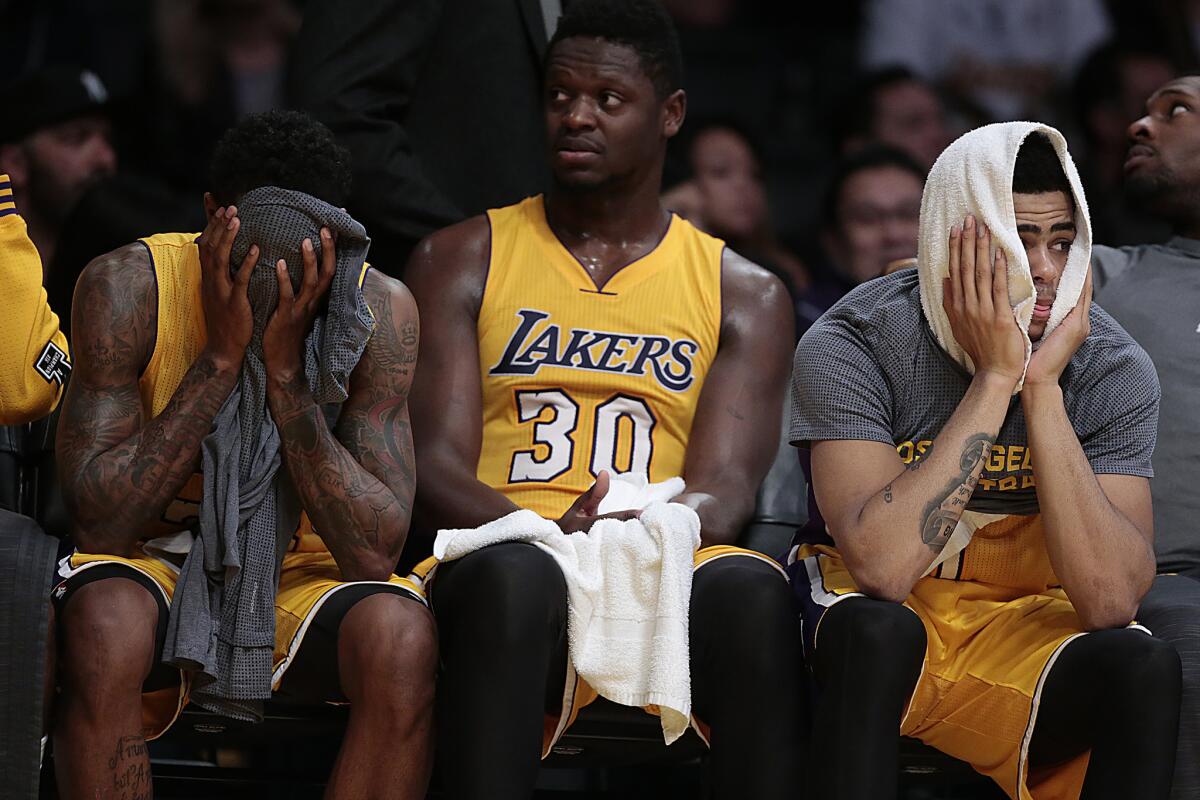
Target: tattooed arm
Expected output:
[119,472]
[735,433]
[356,483]
[889,522]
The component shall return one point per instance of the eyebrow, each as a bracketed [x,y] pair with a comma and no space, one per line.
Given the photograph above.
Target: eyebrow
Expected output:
[1028,227]
[1172,92]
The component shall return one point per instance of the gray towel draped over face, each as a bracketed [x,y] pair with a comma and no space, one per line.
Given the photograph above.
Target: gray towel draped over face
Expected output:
[222,621]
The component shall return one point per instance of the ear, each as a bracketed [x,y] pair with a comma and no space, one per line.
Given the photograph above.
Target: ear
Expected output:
[14,162]
[674,111]
[210,206]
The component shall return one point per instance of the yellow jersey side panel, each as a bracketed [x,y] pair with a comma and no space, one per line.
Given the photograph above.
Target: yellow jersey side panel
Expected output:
[578,379]
[34,359]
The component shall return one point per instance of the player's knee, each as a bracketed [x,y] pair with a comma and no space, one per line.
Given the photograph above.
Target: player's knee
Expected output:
[389,644]
[1146,664]
[883,633]
[106,632]
[521,591]
[753,597]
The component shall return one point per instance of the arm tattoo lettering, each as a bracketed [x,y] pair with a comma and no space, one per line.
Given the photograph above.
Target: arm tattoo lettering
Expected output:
[130,768]
[943,513]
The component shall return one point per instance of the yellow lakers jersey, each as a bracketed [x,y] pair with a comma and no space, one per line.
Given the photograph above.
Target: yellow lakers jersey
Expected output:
[577,379]
[180,337]
[34,360]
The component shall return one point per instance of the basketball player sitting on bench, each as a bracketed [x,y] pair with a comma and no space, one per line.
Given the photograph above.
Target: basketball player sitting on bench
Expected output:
[587,332]
[164,327]
[985,659]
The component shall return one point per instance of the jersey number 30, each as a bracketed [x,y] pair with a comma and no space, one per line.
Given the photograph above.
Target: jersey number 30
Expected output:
[557,435]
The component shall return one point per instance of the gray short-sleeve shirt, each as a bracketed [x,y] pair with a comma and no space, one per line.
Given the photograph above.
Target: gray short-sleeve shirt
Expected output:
[870,369]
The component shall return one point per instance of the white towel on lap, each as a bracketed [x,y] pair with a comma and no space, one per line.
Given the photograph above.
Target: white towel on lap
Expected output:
[974,176]
[629,587]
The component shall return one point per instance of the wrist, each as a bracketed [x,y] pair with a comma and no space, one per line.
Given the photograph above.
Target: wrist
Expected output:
[989,380]
[223,361]
[1040,392]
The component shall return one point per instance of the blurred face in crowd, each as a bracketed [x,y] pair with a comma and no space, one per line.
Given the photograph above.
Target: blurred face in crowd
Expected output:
[605,123]
[1162,166]
[730,183]
[1046,225]
[878,211]
[909,117]
[57,164]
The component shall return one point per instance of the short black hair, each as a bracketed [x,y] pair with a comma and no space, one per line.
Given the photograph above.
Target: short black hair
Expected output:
[876,156]
[1038,168]
[288,149]
[642,25]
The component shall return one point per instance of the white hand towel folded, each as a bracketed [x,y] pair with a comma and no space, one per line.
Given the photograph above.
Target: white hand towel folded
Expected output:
[629,586]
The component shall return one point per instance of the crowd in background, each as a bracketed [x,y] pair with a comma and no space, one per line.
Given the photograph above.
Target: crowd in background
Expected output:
[805,147]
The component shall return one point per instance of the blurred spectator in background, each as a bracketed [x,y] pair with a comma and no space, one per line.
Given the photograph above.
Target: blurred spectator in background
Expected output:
[892,106]
[1111,89]
[216,62]
[725,196]
[438,101]
[1154,292]
[871,214]
[1004,58]
[55,142]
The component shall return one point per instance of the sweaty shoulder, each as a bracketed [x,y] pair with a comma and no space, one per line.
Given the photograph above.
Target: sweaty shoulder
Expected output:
[751,296]
[451,263]
[116,297]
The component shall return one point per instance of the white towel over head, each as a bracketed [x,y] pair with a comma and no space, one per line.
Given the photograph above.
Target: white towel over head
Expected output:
[974,176]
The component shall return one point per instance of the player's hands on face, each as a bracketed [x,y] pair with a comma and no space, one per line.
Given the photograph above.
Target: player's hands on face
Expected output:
[975,298]
[583,512]
[283,338]
[223,297]
[1055,352]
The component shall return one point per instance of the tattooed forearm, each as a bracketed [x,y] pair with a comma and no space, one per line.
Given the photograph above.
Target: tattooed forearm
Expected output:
[118,474]
[943,513]
[359,518]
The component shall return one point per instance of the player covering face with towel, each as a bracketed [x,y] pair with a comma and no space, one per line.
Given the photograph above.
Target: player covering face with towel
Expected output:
[978,436]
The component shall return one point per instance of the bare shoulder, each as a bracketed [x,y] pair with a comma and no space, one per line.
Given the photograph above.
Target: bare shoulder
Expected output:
[115,310]
[125,272]
[751,296]
[387,365]
[389,298]
[451,264]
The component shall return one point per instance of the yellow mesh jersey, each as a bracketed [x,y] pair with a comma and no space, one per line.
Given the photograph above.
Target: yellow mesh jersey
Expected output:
[34,359]
[180,338]
[577,380]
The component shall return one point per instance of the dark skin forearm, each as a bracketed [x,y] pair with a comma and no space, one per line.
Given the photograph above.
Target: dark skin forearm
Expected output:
[359,518]
[117,484]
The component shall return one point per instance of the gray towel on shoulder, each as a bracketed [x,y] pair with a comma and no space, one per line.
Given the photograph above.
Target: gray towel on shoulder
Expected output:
[222,622]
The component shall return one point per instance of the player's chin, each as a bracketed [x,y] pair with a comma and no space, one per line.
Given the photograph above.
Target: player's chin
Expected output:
[1036,329]
[575,179]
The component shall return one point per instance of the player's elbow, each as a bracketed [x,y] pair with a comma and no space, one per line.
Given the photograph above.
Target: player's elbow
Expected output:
[877,578]
[1099,617]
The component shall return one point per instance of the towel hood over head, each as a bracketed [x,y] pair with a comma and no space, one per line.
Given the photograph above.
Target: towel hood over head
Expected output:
[974,176]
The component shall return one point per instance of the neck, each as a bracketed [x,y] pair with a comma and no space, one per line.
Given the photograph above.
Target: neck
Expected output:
[617,215]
